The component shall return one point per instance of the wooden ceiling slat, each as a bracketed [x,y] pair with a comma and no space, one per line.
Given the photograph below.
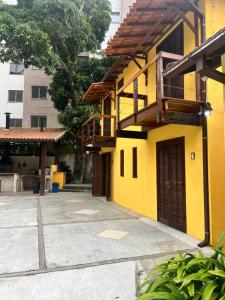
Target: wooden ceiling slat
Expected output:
[97,91]
[147,20]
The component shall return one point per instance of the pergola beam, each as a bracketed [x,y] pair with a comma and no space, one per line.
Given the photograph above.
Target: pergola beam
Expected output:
[204,70]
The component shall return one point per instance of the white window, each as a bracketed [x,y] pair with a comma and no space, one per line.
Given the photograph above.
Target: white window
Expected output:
[15,96]
[16,69]
[115,17]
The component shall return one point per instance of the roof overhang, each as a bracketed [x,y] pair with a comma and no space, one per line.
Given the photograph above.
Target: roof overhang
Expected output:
[97,92]
[118,67]
[144,26]
[31,135]
[211,50]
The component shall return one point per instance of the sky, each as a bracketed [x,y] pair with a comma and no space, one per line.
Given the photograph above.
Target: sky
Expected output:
[10,1]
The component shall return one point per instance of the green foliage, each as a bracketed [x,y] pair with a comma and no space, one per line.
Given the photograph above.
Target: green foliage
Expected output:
[52,34]
[188,276]
[74,118]
[87,71]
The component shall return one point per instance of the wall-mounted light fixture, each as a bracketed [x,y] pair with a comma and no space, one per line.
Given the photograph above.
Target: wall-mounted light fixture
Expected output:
[207,110]
[204,78]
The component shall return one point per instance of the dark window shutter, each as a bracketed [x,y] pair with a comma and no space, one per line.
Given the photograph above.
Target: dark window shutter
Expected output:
[122,163]
[16,123]
[35,92]
[12,96]
[43,92]
[36,121]
[134,156]
[19,96]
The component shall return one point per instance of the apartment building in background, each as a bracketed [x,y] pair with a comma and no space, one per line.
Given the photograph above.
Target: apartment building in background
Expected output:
[120,9]
[11,93]
[37,101]
[24,92]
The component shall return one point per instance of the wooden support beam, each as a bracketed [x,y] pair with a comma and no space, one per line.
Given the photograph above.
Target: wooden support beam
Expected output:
[136,95]
[196,22]
[204,70]
[43,159]
[181,118]
[140,67]
[136,62]
[118,112]
[131,134]
[147,23]
[185,19]
[213,74]
[129,81]
[130,120]
[146,72]
[159,81]
[131,95]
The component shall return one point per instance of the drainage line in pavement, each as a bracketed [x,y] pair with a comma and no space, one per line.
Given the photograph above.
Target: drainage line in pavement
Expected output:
[95,264]
[41,245]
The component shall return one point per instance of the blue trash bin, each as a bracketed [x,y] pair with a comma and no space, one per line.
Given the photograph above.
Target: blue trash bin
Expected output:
[55,187]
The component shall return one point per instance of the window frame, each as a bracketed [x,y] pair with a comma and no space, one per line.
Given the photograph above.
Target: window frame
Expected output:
[38,121]
[15,96]
[14,73]
[13,122]
[115,17]
[39,92]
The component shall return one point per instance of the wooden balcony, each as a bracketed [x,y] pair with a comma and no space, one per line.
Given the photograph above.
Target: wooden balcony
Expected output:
[169,108]
[99,131]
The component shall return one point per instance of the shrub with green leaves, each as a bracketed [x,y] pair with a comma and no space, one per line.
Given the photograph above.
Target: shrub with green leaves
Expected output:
[188,276]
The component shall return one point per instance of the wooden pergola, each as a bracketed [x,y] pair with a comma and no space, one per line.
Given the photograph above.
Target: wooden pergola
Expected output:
[33,135]
[98,91]
[147,21]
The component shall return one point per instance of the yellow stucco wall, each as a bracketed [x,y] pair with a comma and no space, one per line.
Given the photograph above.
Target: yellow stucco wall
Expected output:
[140,194]
[214,12]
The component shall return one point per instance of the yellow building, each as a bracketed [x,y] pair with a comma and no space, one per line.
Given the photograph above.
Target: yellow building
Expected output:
[154,150]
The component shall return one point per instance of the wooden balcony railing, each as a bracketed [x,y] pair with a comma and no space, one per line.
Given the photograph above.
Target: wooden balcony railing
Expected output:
[169,107]
[99,131]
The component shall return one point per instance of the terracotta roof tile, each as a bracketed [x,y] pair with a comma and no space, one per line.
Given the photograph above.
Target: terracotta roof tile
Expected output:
[31,134]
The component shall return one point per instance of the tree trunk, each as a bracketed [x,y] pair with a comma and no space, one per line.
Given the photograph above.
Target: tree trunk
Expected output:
[79,167]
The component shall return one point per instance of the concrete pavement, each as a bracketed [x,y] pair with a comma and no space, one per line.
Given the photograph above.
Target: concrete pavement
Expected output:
[72,246]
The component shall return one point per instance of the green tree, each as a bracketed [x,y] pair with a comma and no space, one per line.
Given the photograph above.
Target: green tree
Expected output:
[52,34]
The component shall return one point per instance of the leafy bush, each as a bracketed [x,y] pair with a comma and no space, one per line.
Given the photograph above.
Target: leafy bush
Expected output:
[188,276]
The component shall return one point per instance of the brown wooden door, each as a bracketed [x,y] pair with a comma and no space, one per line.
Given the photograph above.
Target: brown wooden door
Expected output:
[98,187]
[171,183]
[107,122]
[101,176]
[107,166]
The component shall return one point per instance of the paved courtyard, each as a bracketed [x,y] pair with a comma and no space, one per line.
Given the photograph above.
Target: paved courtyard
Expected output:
[71,246]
